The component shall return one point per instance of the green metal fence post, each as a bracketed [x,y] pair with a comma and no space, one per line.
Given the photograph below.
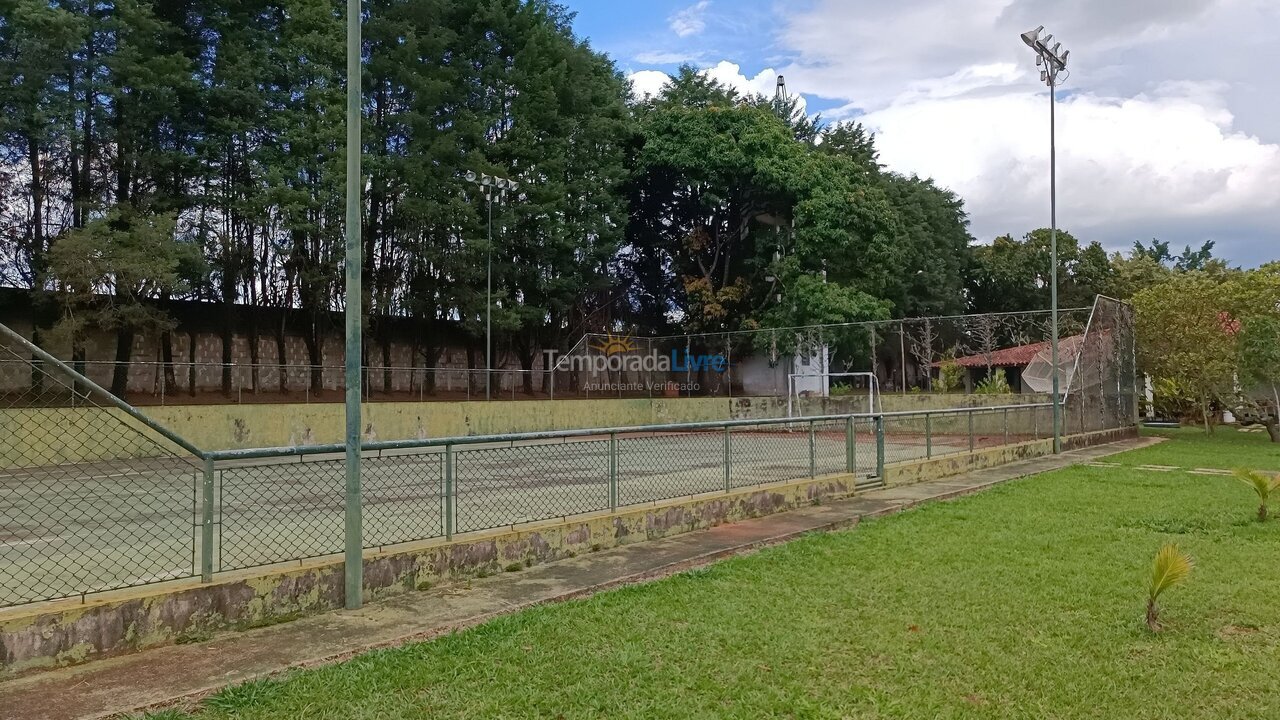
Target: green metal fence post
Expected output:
[448,492]
[727,486]
[850,447]
[206,524]
[928,436]
[813,452]
[880,447]
[354,532]
[613,471]
[970,429]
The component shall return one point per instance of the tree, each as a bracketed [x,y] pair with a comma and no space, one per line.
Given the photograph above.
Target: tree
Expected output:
[715,178]
[1185,334]
[811,301]
[1130,275]
[37,40]
[1255,304]
[108,274]
[1013,275]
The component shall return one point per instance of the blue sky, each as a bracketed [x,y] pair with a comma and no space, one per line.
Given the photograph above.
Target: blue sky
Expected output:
[1166,126]
[639,35]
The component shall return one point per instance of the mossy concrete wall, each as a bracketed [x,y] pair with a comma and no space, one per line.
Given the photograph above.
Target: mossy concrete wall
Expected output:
[915,471]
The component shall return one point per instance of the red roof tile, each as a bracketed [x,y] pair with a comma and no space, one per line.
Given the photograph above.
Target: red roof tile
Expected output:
[1019,356]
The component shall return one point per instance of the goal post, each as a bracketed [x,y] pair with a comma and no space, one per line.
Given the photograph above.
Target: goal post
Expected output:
[800,385]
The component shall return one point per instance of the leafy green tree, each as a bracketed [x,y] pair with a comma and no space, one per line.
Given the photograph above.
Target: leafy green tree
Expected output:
[931,239]
[1185,335]
[37,39]
[1255,301]
[109,273]
[1190,260]
[1134,273]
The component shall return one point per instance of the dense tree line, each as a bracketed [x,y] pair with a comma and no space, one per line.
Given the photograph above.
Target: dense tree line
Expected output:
[1209,336]
[194,149]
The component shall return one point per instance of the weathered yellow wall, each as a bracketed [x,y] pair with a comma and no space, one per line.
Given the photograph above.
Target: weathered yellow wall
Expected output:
[241,426]
[57,436]
[47,436]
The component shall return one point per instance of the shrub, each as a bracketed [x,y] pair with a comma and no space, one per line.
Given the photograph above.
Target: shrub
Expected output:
[1263,484]
[840,390]
[995,384]
[950,377]
[1171,567]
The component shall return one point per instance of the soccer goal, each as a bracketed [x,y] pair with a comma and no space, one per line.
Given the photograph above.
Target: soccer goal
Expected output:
[861,385]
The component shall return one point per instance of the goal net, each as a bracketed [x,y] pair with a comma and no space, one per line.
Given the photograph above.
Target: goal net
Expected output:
[862,388]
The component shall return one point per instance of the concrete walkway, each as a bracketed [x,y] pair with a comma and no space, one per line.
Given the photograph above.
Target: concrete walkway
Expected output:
[183,673]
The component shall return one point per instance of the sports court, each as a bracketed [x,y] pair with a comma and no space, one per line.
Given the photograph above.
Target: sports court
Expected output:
[86,527]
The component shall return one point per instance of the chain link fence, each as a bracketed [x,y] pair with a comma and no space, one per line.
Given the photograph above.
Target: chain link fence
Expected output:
[1102,392]
[91,498]
[95,496]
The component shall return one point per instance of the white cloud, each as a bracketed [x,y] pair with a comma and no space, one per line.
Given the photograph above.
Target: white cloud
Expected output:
[647,82]
[658,57]
[1161,159]
[689,21]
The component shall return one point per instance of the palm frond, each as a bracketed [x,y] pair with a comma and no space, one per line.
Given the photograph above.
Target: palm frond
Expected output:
[1262,483]
[1172,566]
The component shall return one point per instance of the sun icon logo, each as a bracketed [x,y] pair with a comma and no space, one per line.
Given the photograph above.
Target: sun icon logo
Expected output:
[615,344]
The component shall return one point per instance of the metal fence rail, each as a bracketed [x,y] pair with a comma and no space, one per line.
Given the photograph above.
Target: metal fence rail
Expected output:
[271,505]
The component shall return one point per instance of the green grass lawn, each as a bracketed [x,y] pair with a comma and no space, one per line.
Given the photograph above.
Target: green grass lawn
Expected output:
[1226,447]
[1024,601]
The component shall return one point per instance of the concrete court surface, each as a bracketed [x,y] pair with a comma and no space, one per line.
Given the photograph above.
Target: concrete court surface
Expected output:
[183,673]
[72,529]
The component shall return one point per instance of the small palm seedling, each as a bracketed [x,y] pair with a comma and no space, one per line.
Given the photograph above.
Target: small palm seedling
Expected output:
[1172,566]
[1263,484]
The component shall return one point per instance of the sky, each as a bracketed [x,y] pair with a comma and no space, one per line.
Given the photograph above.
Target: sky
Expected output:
[1168,125]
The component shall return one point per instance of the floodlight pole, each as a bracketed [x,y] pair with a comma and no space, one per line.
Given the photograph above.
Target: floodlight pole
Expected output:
[490,185]
[488,304]
[1054,60]
[1053,267]
[354,549]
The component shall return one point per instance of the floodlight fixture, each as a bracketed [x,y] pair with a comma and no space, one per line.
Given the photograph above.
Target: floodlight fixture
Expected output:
[470,176]
[1049,54]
